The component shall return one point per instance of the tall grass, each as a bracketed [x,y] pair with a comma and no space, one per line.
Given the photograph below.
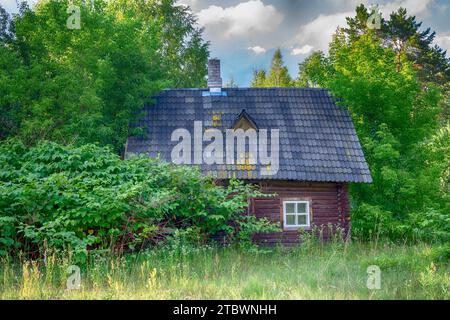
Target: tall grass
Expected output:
[334,270]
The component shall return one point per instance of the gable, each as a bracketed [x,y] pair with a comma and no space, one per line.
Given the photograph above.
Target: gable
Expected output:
[244,122]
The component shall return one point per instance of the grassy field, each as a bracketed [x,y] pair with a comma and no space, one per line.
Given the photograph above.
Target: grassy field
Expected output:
[327,271]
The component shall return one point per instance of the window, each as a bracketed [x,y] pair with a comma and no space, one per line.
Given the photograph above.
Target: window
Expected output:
[296,214]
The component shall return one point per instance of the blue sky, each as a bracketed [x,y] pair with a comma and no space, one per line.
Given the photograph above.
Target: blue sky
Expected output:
[244,34]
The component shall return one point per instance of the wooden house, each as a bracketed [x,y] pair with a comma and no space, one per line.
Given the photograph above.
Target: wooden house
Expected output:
[319,151]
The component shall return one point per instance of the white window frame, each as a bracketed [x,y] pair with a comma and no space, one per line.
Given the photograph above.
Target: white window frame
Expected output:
[307,214]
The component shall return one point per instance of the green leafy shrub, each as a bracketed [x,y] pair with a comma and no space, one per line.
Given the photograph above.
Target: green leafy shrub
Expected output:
[249,225]
[87,198]
[441,254]
[430,225]
[369,222]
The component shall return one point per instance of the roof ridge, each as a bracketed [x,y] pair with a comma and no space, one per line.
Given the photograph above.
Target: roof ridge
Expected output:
[248,88]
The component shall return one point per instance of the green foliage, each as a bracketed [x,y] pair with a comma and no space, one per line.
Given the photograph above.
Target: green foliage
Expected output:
[371,222]
[309,69]
[85,85]
[55,196]
[183,52]
[404,35]
[249,225]
[278,75]
[397,114]
[259,79]
[393,116]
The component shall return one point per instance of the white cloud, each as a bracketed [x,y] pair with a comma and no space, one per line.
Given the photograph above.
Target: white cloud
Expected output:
[319,31]
[419,8]
[187,2]
[11,5]
[443,41]
[257,50]
[193,4]
[303,50]
[240,20]
[414,7]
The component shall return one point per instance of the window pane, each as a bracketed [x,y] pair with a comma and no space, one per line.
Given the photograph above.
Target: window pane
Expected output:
[290,207]
[301,220]
[290,220]
[301,207]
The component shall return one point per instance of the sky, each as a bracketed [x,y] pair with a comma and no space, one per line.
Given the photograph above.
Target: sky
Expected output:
[244,34]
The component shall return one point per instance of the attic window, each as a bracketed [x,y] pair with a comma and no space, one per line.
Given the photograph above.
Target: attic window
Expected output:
[244,122]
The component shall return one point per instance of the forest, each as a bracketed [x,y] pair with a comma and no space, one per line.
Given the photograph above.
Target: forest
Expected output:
[67,98]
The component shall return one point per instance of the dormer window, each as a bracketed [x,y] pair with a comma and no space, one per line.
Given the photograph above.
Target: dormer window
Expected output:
[244,122]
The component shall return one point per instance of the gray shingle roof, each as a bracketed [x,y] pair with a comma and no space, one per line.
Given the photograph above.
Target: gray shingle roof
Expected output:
[318,141]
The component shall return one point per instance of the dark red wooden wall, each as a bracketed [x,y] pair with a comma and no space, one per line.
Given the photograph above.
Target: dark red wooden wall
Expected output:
[329,203]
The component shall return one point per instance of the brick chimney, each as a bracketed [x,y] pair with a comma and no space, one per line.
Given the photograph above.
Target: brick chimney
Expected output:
[214,79]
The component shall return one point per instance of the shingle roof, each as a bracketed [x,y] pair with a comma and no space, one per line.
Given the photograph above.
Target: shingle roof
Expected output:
[318,141]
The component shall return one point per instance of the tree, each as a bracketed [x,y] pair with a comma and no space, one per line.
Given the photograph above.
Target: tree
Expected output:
[278,75]
[85,85]
[357,25]
[259,79]
[309,69]
[79,85]
[393,115]
[185,52]
[394,83]
[403,34]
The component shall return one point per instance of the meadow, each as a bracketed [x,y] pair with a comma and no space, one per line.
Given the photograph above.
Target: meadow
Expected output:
[310,271]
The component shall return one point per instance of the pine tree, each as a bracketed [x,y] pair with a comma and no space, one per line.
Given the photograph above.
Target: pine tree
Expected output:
[402,33]
[278,75]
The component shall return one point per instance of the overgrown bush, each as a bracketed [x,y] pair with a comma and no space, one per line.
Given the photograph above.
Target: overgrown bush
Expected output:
[371,222]
[54,196]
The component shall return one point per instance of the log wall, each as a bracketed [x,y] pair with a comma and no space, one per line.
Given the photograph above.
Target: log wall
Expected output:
[329,203]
